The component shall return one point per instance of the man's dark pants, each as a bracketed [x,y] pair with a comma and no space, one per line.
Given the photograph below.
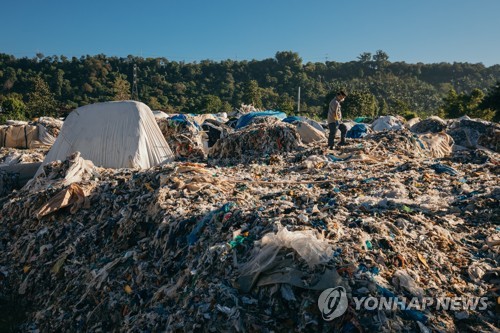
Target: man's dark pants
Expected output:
[333,131]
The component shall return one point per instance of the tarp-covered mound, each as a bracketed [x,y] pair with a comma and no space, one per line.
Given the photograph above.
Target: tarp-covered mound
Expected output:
[387,123]
[308,133]
[432,124]
[471,133]
[267,136]
[357,131]
[249,118]
[184,136]
[114,135]
[296,119]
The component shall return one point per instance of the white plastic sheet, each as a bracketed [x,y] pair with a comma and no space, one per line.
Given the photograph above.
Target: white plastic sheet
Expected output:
[114,135]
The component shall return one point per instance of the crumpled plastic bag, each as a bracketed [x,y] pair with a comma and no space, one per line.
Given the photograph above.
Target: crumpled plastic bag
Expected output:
[310,246]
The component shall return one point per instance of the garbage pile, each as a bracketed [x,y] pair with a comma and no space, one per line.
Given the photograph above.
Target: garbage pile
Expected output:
[195,247]
[184,136]
[12,177]
[264,137]
[432,124]
[470,133]
[51,125]
[406,144]
[11,156]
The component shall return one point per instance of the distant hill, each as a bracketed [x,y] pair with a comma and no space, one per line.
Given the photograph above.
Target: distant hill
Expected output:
[376,85]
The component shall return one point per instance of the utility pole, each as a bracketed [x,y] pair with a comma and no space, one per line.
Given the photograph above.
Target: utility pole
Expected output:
[135,91]
[298,101]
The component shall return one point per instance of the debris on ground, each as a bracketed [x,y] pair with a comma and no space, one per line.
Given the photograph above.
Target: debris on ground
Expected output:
[247,239]
[250,247]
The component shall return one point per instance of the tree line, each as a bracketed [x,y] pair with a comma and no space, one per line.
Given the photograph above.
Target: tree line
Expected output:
[55,85]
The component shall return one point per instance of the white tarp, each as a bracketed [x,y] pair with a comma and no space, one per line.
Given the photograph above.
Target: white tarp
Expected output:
[389,123]
[113,135]
[160,114]
[309,134]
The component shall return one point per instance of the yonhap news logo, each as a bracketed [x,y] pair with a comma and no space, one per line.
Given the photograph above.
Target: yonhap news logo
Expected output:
[333,303]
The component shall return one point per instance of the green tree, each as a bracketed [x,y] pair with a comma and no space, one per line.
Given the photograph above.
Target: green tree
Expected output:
[451,106]
[252,94]
[381,60]
[121,88]
[154,103]
[211,104]
[458,105]
[401,108]
[286,104]
[492,101]
[12,107]
[359,103]
[384,108]
[365,57]
[41,101]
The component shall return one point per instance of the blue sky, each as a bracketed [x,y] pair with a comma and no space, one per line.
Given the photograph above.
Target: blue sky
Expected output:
[428,31]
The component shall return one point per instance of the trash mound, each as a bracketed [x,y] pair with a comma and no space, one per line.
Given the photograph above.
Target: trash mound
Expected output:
[251,247]
[190,247]
[412,122]
[11,175]
[405,143]
[432,124]
[11,156]
[265,136]
[215,130]
[184,137]
[473,133]
[51,125]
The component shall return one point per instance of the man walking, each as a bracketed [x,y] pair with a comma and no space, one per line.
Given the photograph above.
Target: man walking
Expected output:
[334,119]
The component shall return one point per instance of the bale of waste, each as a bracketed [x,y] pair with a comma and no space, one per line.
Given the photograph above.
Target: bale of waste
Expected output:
[432,124]
[18,135]
[160,114]
[114,135]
